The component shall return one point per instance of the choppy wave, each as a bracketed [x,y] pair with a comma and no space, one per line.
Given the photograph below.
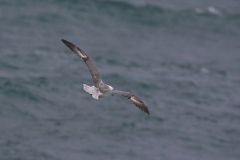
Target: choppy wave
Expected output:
[200,18]
[183,62]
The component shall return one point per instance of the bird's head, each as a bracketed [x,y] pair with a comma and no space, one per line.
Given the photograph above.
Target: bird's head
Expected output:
[111,89]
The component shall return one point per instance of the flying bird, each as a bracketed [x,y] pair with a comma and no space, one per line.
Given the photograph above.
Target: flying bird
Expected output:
[101,89]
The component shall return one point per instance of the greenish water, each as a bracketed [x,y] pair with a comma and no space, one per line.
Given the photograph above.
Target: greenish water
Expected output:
[181,59]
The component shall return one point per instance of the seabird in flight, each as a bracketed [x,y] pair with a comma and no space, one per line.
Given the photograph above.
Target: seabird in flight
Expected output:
[100,89]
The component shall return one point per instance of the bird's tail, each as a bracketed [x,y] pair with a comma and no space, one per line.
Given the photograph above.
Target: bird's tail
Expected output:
[91,91]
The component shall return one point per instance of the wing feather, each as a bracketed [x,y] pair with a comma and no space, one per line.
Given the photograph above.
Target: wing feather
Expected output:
[88,60]
[134,99]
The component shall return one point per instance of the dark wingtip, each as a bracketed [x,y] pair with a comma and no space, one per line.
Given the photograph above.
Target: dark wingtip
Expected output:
[64,41]
[146,110]
[69,44]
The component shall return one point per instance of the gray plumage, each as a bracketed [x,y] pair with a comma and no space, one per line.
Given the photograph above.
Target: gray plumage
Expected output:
[100,89]
[88,60]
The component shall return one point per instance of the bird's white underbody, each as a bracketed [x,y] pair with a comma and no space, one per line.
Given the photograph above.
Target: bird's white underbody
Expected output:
[92,90]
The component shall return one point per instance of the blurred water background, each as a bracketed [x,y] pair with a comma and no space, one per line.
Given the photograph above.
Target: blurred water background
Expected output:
[182,58]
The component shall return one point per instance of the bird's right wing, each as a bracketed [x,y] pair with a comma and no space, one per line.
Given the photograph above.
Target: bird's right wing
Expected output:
[134,99]
[88,60]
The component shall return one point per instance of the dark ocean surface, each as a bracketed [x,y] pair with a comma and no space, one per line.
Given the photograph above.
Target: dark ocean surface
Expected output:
[182,58]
